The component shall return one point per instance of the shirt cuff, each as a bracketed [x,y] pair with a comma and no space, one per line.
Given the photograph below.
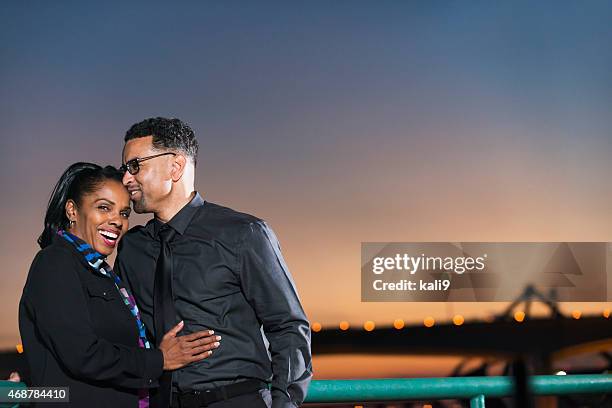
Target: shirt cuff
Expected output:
[154,367]
[281,400]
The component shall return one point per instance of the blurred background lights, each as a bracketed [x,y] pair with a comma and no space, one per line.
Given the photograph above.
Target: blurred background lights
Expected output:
[369,325]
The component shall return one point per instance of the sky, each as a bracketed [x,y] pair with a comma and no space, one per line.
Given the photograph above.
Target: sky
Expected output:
[337,122]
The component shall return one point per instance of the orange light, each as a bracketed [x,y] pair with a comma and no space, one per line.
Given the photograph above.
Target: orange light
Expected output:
[429,321]
[427,406]
[358,406]
[398,324]
[606,313]
[519,316]
[458,320]
[576,314]
[344,325]
[369,325]
[19,348]
[316,327]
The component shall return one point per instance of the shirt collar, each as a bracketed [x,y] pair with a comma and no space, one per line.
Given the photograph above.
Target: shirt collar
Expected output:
[181,220]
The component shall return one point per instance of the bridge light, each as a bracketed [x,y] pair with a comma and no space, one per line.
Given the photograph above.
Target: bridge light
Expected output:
[369,325]
[19,348]
[606,313]
[561,373]
[429,321]
[576,314]
[344,325]
[316,327]
[458,320]
[519,316]
[398,324]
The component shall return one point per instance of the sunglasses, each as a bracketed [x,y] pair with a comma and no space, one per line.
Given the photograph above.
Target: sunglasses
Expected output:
[133,166]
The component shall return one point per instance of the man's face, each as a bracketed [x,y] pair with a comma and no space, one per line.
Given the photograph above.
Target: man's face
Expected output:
[151,186]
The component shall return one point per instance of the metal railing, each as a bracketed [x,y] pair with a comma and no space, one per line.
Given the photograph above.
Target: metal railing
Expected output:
[476,389]
[4,386]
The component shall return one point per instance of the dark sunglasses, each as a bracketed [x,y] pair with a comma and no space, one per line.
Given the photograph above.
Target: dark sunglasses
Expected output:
[133,166]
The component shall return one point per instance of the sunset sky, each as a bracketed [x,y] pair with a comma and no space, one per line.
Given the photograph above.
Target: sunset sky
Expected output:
[337,122]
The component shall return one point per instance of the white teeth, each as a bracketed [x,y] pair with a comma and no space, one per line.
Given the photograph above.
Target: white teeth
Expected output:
[108,234]
[133,192]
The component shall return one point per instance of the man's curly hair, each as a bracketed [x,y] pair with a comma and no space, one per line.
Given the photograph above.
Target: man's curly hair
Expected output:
[168,134]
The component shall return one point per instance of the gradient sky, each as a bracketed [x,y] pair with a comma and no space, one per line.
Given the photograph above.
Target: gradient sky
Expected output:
[337,122]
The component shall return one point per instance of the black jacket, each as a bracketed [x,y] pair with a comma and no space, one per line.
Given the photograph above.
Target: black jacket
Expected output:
[77,332]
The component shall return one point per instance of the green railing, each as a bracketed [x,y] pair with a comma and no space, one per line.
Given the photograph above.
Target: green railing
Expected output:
[4,386]
[476,389]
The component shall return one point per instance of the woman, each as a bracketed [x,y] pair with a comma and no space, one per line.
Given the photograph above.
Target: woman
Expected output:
[79,325]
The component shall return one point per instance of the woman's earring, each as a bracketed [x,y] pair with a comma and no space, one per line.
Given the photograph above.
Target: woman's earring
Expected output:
[71,222]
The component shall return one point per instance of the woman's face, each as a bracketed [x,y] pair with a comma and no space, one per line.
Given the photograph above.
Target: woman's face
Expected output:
[102,217]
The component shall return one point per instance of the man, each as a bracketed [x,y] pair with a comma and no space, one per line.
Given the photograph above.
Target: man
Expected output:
[213,268]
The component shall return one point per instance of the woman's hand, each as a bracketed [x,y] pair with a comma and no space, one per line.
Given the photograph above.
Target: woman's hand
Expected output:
[180,351]
[14,377]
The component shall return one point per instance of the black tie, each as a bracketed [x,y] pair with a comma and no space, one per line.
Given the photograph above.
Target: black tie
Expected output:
[163,304]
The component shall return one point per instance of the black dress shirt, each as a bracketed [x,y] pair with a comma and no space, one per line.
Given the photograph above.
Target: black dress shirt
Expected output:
[228,276]
[77,332]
